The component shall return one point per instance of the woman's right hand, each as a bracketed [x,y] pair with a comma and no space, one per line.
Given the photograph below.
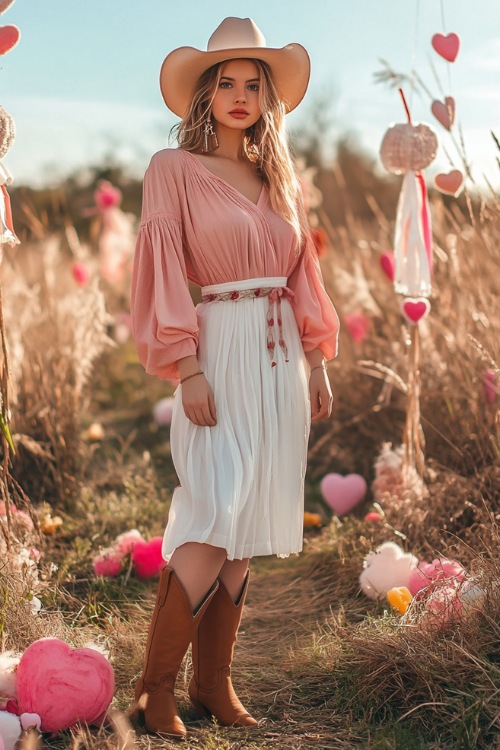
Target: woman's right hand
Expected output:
[198,401]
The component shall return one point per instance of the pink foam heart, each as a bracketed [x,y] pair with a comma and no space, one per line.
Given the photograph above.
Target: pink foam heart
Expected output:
[415,309]
[446,46]
[9,37]
[147,557]
[387,263]
[64,685]
[4,4]
[444,113]
[343,493]
[450,183]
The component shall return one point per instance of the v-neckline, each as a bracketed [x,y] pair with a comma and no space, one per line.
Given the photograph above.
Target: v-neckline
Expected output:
[221,179]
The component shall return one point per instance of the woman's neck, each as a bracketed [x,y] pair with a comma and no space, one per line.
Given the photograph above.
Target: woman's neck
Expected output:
[230,143]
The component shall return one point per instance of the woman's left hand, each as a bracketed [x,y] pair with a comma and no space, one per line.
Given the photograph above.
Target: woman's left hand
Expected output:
[320,394]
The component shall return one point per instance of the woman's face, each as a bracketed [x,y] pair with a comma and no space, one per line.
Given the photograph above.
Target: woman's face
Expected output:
[236,102]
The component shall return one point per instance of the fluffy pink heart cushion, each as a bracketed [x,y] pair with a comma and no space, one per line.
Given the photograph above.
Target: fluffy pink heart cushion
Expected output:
[147,557]
[64,685]
[450,183]
[415,309]
[341,493]
[446,46]
[9,37]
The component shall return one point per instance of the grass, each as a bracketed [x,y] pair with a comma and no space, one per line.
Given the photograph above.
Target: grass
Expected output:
[321,665]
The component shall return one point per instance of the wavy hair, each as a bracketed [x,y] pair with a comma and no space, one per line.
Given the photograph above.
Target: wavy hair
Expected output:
[265,143]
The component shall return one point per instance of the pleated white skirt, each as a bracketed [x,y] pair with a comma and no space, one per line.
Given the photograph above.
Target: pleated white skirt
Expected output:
[242,481]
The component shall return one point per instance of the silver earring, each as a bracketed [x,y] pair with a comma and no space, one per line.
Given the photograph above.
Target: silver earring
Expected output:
[210,142]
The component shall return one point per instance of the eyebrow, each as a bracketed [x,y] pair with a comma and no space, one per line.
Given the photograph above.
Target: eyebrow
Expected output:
[249,80]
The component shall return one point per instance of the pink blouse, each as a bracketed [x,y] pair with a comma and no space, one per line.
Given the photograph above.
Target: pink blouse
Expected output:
[195,226]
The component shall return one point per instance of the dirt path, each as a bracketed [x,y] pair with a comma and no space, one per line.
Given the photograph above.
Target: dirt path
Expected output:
[287,612]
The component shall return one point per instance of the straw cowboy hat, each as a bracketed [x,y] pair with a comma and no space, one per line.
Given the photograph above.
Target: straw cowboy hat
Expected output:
[234,38]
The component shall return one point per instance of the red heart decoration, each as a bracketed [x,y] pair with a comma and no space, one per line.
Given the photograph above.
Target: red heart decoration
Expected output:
[64,685]
[450,183]
[4,4]
[444,113]
[446,46]
[415,309]
[387,263]
[9,37]
[341,493]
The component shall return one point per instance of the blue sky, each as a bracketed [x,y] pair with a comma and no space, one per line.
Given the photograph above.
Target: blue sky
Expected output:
[83,80]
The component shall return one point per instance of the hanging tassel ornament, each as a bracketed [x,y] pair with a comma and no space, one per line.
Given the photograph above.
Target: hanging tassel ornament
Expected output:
[407,149]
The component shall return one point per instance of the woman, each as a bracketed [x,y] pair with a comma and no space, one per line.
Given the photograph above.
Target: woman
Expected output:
[224,210]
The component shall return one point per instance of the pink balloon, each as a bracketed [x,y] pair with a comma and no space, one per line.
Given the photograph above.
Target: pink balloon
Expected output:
[444,113]
[387,264]
[426,575]
[147,557]
[343,493]
[64,685]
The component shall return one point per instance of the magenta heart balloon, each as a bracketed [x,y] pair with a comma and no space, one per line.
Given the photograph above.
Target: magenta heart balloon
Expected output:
[343,493]
[446,46]
[415,309]
[9,37]
[387,263]
[64,685]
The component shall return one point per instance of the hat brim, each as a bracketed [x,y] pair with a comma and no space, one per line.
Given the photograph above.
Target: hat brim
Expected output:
[181,69]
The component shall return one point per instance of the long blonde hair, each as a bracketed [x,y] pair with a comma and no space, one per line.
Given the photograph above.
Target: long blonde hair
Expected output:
[265,143]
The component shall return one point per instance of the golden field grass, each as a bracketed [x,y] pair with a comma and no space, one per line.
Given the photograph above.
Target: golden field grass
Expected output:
[320,664]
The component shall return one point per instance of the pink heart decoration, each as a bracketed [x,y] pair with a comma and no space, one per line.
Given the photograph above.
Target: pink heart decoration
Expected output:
[9,37]
[446,46]
[358,325]
[387,263]
[64,685]
[450,183]
[147,557]
[444,113]
[415,309]
[4,4]
[343,493]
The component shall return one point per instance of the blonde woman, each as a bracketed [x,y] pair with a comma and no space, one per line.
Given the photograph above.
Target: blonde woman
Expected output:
[224,210]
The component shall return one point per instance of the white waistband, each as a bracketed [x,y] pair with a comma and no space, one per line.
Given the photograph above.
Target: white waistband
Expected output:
[237,286]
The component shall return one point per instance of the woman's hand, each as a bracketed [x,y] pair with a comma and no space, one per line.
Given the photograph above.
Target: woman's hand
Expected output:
[198,401]
[320,394]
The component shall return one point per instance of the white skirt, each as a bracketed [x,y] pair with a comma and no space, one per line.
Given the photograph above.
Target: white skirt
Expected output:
[242,480]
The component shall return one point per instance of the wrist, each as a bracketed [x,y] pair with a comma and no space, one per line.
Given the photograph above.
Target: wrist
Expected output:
[188,366]
[315,358]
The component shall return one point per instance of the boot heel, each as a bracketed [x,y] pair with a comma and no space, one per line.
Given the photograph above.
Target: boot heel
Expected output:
[200,709]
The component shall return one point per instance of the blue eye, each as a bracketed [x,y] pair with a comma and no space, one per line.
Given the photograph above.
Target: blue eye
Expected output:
[254,87]
[225,84]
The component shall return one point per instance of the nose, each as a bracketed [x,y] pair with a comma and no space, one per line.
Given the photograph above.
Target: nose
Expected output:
[240,95]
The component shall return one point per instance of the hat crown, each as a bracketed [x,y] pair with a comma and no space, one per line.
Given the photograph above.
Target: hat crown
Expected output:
[234,33]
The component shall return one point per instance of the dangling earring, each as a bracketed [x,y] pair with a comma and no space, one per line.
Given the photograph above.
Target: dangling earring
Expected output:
[209,136]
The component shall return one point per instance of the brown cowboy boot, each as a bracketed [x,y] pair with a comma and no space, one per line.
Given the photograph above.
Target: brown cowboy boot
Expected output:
[172,628]
[210,689]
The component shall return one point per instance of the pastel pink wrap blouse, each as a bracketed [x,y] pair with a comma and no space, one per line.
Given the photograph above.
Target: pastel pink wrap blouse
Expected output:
[196,227]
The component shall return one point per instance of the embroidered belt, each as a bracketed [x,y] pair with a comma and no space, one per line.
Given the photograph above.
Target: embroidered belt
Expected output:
[274,288]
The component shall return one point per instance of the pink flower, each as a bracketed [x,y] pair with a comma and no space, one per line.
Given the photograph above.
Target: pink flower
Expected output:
[125,543]
[108,563]
[81,274]
[107,196]
[147,557]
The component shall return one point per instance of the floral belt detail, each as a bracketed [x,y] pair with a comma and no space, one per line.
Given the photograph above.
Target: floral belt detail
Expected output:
[274,294]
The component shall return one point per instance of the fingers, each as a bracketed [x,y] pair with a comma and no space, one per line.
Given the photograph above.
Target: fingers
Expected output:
[321,406]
